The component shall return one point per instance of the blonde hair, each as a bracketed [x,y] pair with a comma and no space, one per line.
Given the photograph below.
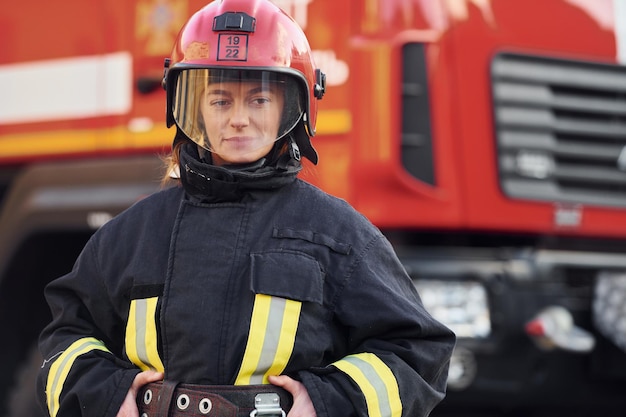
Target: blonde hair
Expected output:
[172,167]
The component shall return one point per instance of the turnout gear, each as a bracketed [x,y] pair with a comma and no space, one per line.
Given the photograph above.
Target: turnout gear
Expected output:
[285,280]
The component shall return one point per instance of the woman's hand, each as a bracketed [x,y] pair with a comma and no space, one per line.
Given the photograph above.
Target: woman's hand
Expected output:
[129,406]
[302,404]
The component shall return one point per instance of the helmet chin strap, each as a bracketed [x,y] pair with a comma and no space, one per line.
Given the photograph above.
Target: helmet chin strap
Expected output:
[294,150]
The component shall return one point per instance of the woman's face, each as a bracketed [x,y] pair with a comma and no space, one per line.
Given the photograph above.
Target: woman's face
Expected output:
[241,119]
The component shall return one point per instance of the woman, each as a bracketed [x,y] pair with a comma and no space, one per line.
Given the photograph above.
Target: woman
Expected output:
[244,280]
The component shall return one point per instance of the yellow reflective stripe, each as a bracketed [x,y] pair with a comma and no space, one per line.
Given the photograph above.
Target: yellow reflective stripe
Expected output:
[287,338]
[61,368]
[256,336]
[376,381]
[271,339]
[141,335]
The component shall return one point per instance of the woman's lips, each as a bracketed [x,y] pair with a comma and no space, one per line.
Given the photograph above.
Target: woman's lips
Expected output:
[239,139]
[240,142]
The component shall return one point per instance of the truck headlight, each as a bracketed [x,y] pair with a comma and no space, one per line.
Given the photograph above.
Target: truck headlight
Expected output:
[461,305]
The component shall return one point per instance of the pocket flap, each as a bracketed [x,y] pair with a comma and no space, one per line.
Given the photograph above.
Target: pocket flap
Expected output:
[292,275]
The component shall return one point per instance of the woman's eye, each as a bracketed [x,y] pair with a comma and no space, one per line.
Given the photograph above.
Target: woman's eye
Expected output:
[260,100]
[219,103]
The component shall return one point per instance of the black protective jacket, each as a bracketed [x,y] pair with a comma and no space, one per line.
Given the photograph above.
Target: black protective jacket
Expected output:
[233,277]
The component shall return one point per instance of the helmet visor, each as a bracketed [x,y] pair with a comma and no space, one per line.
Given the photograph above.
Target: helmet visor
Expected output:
[237,114]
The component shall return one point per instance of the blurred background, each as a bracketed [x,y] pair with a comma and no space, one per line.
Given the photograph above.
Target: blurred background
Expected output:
[485,138]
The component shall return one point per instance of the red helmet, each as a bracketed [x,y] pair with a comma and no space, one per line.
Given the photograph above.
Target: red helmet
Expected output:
[242,40]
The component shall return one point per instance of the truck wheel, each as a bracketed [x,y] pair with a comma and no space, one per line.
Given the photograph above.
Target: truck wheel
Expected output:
[22,401]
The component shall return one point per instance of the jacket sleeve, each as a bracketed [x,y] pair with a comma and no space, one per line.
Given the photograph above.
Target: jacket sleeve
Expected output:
[399,355]
[82,373]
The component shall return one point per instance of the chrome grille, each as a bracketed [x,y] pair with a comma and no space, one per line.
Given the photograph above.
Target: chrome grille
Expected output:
[560,129]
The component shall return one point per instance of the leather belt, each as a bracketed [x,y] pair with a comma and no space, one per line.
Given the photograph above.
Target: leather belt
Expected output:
[171,399]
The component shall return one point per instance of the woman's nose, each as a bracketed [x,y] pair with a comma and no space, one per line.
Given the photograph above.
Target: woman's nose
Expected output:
[239,116]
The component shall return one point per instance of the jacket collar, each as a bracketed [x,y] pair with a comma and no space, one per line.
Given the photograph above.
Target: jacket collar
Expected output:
[209,183]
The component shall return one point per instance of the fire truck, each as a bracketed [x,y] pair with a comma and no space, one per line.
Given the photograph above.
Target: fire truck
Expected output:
[485,138]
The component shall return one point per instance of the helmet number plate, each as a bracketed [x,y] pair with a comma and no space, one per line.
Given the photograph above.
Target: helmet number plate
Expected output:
[232,47]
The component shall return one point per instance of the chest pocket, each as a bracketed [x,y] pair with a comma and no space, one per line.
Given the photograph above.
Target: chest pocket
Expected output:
[287,274]
[282,281]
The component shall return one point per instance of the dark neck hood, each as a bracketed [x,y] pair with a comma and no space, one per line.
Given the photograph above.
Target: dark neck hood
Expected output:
[209,183]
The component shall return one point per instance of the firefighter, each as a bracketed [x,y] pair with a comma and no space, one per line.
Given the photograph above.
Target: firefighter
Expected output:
[242,290]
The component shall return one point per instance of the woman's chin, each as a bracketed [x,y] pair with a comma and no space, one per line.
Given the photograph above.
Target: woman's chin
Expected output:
[240,155]
[237,158]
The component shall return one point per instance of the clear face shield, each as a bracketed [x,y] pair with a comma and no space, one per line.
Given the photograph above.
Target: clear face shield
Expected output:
[236,114]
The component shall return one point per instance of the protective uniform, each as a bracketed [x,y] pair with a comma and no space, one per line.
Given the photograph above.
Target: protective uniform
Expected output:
[239,273]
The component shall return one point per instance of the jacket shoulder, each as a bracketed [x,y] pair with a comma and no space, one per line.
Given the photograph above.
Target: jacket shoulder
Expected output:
[329,212]
[309,193]
[153,211]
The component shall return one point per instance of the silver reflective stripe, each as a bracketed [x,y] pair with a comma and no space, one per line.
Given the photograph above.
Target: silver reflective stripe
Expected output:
[270,343]
[60,369]
[376,381]
[141,334]
[271,339]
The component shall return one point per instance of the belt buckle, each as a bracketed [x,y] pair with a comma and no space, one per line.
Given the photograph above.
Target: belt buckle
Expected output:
[267,404]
